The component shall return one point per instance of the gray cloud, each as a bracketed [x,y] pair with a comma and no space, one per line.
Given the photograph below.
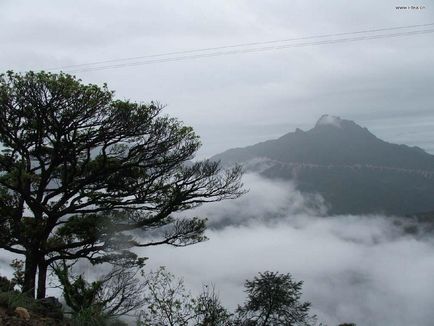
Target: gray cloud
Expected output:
[265,201]
[361,269]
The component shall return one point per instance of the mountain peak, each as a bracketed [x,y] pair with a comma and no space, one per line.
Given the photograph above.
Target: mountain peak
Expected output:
[328,123]
[354,171]
[329,120]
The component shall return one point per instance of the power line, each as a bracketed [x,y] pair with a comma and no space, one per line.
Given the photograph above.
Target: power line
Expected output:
[239,45]
[251,50]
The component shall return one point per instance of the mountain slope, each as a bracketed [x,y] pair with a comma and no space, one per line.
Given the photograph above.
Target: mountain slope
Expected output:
[352,169]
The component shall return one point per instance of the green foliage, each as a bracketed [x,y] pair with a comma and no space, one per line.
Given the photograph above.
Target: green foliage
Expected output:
[274,299]
[89,317]
[100,301]
[14,299]
[18,266]
[79,171]
[81,297]
[6,285]
[11,299]
[167,301]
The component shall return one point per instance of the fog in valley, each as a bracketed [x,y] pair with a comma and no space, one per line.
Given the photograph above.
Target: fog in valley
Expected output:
[371,270]
[361,269]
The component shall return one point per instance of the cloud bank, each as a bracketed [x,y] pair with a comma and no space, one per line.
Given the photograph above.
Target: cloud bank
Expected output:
[361,269]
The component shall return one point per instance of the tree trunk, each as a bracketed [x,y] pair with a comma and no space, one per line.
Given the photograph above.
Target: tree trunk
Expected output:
[30,275]
[42,279]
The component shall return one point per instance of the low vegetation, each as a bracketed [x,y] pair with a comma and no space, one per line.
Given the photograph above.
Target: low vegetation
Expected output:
[156,299]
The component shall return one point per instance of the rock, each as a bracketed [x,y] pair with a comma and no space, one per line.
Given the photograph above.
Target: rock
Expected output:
[50,307]
[22,313]
[50,302]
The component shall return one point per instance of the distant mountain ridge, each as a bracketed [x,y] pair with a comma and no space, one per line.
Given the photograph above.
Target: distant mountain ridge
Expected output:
[353,170]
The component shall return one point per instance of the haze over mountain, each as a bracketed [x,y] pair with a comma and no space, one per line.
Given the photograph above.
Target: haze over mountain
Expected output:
[353,170]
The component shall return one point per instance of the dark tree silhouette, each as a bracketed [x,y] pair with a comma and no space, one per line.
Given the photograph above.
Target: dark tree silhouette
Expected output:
[209,309]
[83,175]
[274,299]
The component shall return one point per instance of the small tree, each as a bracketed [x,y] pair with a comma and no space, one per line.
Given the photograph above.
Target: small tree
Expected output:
[209,310]
[79,295]
[112,295]
[83,175]
[274,299]
[167,301]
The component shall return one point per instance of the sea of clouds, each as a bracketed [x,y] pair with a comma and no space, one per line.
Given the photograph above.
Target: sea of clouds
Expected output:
[362,269]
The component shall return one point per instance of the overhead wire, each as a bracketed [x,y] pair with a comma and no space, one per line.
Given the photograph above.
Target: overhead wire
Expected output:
[241,48]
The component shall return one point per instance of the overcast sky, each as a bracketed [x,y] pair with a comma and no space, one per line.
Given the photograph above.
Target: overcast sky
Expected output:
[236,100]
